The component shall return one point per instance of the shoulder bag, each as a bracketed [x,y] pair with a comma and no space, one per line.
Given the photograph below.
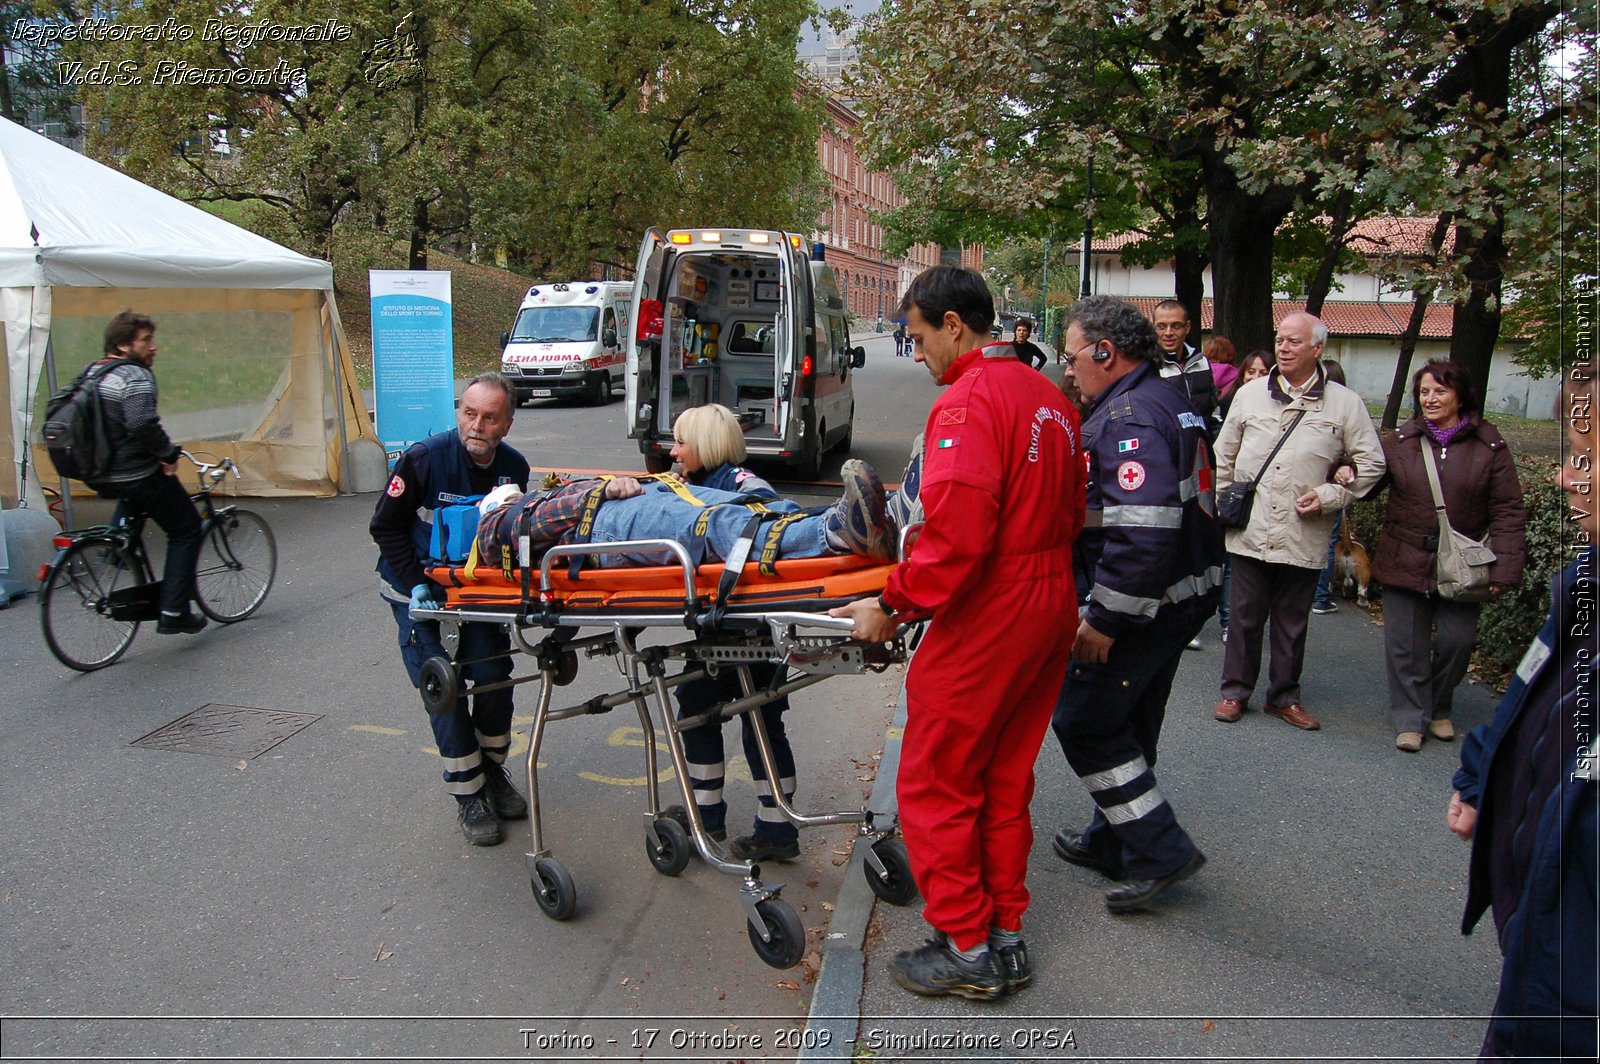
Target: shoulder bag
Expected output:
[1462,568]
[1235,500]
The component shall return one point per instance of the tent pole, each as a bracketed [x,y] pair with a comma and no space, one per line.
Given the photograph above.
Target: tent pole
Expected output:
[330,347]
[50,382]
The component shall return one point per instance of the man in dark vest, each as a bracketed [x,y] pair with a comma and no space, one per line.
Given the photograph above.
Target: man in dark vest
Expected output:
[446,468]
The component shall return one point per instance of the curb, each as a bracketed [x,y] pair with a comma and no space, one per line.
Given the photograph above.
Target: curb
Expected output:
[835,1014]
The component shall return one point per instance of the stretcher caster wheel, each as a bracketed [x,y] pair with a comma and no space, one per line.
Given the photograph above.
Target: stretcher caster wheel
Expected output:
[566,669]
[553,888]
[440,686]
[672,856]
[895,885]
[786,941]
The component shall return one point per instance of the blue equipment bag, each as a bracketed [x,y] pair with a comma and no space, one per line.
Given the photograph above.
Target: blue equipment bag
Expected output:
[454,528]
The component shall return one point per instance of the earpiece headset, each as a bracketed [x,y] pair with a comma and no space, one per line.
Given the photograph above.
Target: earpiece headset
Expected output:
[1100,354]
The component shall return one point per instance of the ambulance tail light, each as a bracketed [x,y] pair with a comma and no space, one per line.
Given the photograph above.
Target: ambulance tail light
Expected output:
[806,367]
[651,320]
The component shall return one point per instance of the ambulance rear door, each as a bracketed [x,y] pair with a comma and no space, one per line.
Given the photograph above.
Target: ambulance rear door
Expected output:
[644,344]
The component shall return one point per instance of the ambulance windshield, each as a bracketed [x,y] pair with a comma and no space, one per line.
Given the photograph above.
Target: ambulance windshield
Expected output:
[556,325]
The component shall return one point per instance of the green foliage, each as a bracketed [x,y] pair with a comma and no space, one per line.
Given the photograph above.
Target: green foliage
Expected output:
[554,133]
[1508,624]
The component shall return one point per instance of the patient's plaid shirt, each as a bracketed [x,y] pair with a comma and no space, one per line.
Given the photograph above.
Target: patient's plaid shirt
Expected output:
[555,513]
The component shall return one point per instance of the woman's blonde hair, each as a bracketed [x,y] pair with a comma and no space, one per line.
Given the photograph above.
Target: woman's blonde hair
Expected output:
[713,432]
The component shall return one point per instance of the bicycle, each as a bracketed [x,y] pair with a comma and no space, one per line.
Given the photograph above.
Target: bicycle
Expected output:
[100,586]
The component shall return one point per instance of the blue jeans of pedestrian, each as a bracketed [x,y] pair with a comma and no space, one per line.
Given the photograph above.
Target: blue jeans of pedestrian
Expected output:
[660,513]
[1324,595]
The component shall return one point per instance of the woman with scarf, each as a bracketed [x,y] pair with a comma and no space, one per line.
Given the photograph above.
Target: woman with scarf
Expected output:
[1429,639]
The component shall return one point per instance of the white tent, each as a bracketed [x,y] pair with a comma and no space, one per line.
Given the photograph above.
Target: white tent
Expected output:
[251,364]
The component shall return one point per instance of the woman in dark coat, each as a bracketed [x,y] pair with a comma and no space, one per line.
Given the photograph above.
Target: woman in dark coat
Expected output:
[708,447]
[1429,639]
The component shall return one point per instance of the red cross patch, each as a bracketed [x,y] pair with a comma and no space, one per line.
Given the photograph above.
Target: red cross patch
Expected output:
[397,487]
[1130,475]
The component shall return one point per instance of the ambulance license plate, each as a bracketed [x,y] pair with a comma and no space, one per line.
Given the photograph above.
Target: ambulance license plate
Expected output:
[541,393]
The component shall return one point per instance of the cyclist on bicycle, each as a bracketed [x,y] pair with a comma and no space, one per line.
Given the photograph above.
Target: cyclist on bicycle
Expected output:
[144,463]
[445,468]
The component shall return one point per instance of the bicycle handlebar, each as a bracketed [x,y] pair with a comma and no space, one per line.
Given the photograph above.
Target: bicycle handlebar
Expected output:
[217,471]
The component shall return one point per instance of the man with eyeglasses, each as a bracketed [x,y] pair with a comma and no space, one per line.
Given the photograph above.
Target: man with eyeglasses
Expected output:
[1148,569]
[1185,366]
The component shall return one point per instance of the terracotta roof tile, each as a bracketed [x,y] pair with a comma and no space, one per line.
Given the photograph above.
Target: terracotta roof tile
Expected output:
[1363,319]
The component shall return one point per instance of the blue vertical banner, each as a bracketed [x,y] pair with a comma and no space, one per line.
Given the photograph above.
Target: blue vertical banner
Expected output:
[413,356]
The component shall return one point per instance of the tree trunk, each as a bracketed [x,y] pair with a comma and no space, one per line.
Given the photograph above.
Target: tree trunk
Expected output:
[419,234]
[1402,365]
[1482,244]
[1242,228]
[1338,231]
[1420,298]
[1477,319]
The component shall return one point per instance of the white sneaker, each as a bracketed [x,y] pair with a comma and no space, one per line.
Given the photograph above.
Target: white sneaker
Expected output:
[1195,644]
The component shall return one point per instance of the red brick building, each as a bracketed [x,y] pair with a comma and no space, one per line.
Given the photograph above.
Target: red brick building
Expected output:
[872,283]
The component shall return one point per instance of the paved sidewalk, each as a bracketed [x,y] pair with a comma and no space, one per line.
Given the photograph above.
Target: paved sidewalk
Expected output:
[1324,925]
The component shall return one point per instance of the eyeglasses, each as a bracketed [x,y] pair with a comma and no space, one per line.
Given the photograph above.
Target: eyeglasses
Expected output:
[1072,360]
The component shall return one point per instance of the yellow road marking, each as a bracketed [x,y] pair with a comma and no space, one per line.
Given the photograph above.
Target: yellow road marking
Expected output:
[375,729]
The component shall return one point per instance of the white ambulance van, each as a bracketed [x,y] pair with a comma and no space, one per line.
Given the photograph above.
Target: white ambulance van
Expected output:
[568,341]
[745,318]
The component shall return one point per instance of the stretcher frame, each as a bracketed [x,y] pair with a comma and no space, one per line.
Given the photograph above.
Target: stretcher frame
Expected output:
[721,637]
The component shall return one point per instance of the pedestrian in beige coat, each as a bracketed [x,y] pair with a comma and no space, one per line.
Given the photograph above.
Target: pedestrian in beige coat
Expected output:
[1277,557]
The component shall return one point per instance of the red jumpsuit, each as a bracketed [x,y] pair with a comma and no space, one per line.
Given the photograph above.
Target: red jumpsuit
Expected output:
[1003,493]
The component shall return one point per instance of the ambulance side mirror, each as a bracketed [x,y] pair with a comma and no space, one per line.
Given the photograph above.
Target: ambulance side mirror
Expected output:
[505,340]
[609,338]
[858,357]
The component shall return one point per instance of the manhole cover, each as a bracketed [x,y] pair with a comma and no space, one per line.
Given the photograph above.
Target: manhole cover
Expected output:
[227,731]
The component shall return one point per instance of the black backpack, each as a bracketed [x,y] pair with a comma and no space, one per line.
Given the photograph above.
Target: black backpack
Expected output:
[75,427]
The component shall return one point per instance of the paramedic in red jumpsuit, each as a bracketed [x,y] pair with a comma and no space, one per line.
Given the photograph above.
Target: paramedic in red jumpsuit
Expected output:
[1003,494]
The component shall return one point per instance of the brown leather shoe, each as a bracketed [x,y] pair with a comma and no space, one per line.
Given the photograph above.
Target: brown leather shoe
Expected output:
[1294,713]
[1442,730]
[1228,710]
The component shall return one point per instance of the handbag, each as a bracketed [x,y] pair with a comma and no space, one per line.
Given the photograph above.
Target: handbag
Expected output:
[1462,565]
[1235,500]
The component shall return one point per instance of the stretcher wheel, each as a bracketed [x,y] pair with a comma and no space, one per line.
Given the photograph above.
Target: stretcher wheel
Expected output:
[787,941]
[553,888]
[895,886]
[672,856]
[440,686]
[566,668]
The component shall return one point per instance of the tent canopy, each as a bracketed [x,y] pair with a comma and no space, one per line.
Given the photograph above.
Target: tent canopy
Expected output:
[252,359]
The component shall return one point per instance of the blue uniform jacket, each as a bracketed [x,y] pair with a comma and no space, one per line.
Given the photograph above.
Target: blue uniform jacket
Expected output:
[1549,942]
[730,477]
[432,473]
[1151,547]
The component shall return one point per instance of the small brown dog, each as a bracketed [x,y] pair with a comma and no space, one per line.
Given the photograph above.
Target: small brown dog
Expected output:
[1352,569]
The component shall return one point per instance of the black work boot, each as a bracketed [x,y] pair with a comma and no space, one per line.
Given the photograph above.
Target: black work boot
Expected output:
[936,969]
[503,799]
[477,823]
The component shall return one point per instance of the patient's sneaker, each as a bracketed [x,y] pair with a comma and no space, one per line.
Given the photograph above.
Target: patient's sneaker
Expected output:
[859,522]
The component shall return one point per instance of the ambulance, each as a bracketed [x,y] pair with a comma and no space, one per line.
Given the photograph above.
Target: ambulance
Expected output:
[568,341]
[745,318]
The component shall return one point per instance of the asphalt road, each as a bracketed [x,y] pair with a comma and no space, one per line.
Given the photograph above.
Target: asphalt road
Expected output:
[253,904]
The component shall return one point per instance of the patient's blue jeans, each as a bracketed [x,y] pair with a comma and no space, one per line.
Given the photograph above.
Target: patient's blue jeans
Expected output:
[661,514]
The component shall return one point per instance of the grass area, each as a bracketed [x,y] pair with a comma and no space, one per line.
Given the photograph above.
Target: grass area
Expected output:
[483,299]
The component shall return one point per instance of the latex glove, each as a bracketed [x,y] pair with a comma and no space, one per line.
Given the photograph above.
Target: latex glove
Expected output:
[424,597]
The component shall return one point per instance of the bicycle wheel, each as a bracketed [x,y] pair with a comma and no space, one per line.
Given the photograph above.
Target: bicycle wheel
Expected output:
[238,559]
[76,605]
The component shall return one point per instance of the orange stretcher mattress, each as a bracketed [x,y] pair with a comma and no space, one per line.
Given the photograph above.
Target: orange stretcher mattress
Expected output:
[799,582]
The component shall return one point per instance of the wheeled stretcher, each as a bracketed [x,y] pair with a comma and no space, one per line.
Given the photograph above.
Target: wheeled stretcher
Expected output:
[733,618]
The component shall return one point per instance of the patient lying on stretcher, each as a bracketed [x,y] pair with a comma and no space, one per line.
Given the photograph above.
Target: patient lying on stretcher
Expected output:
[705,520]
